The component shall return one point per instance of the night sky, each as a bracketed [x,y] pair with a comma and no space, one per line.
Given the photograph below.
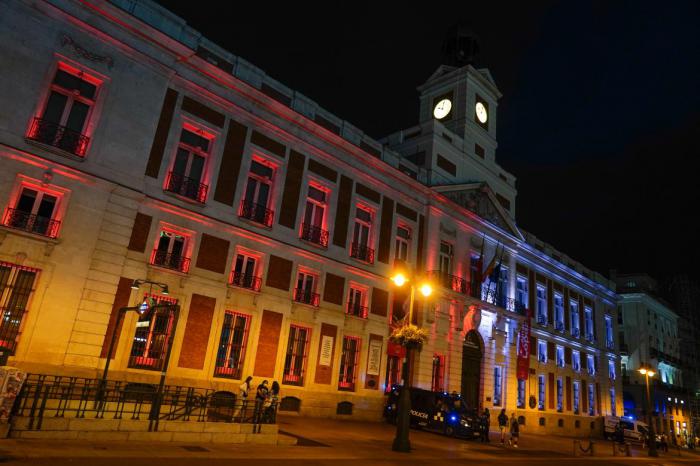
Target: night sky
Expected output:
[599,120]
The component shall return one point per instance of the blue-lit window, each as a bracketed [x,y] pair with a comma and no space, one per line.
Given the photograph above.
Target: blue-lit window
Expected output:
[541,386]
[591,399]
[541,305]
[576,360]
[575,329]
[497,385]
[590,362]
[560,395]
[521,393]
[558,312]
[613,407]
[521,291]
[560,356]
[611,369]
[577,397]
[588,315]
[542,351]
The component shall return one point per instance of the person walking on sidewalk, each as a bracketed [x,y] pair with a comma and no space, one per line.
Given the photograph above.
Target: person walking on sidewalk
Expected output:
[514,431]
[503,425]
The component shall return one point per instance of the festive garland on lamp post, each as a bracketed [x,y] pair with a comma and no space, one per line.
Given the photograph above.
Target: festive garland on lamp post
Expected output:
[409,336]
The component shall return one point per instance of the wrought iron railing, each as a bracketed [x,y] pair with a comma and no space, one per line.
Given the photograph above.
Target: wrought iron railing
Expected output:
[243,280]
[559,325]
[256,213]
[362,252]
[184,186]
[31,223]
[306,297]
[47,396]
[314,235]
[53,134]
[575,332]
[357,310]
[449,281]
[610,344]
[542,319]
[170,261]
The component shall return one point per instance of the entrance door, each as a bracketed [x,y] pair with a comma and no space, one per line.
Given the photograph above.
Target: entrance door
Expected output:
[471,369]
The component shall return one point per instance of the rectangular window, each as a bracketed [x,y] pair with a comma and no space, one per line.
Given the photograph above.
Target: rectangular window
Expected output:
[590,363]
[541,305]
[611,369]
[560,395]
[305,291]
[402,244]
[66,113]
[575,331]
[244,273]
[497,386]
[232,345]
[34,211]
[348,363]
[577,397]
[576,361]
[560,356]
[474,276]
[559,312]
[521,393]
[361,236]
[153,332]
[502,288]
[357,302]
[258,193]
[393,371]
[297,353]
[438,375]
[591,399]
[187,174]
[312,227]
[171,251]
[446,252]
[521,296]
[609,342]
[16,286]
[613,403]
[541,387]
[588,322]
[542,351]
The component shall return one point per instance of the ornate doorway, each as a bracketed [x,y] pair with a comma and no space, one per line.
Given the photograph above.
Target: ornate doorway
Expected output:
[472,353]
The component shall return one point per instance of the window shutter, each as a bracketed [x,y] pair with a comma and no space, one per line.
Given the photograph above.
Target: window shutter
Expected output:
[203,112]
[121,299]
[196,339]
[230,166]
[342,213]
[213,253]
[568,393]
[583,396]
[533,346]
[567,356]
[279,273]
[584,361]
[292,189]
[551,390]
[550,303]
[160,138]
[334,289]
[268,144]
[421,239]
[385,230]
[380,302]
[139,232]
[567,311]
[268,342]
[550,351]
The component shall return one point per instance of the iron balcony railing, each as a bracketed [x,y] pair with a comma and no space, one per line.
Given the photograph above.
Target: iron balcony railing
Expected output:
[187,187]
[31,223]
[362,252]
[314,235]
[55,135]
[589,337]
[449,281]
[256,213]
[610,344]
[243,280]
[306,297]
[501,300]
[357,310]
[559,325]
[575,332]
[542,319]
[170,261]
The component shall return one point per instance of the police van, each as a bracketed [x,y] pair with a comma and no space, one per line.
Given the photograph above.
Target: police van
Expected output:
[439,412]
[632,430]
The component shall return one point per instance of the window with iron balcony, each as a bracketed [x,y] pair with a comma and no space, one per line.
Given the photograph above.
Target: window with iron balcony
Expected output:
[314,217]
[590,364]
[541,305]
[558,312]
[185,178]
[170,251]
[232,345]
[67,111]
[361,236]
[16,287]
[244,272]
[305,291]
[356,302]
[34,211]
[542,351]
[258,192]
[402,243]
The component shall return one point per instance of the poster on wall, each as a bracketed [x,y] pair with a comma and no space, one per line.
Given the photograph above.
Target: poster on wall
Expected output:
[374,359]
[326,350]
[11,380]
[524,349]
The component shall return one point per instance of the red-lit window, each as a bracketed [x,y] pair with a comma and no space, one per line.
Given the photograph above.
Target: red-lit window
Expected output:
[35,210]
[16,286]
[189,168]
[172,248]
[438,379]
[393,371]
[64,118]
[297,353]
[357,301]
[446,253]
[348,363]
[258,193]
[232,345]
[152,336]
[244,273]
[402,243]
[314,216]
[361,235]
[305,291]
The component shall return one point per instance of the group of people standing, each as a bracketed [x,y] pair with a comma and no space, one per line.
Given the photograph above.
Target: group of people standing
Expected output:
[266,400]
[504,424]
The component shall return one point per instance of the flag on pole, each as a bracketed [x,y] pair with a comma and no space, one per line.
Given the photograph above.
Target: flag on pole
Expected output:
[492,265]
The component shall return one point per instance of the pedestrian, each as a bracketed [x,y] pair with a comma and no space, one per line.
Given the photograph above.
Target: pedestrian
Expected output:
[664,443]
[243,390]
[503,425]
[261,394]
[485,425]
[514,431]
[270,405]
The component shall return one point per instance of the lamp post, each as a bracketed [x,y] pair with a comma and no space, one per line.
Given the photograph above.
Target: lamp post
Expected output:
[648,372]
[403,419]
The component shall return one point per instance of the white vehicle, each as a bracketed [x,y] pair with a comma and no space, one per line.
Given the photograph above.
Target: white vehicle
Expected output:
[633,430]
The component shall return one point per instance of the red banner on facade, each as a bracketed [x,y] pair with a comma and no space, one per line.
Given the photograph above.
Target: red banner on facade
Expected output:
[394,349]
[524,349]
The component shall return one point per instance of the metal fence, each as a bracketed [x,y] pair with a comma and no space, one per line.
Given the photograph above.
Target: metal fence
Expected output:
[44,396]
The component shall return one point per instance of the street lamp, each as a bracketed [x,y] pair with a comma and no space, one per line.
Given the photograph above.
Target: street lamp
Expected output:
[403,418]
[648,372]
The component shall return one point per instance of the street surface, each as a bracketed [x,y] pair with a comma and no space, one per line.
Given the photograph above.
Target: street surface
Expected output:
[325,442]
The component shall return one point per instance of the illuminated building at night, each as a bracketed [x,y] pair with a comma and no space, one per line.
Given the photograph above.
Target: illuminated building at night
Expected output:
[135,148]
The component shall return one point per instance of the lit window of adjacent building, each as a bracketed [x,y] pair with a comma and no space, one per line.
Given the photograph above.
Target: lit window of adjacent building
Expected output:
[541,351]
[361,235]
[349,359]
[497,386]
[590,363]
[541,387]
[232,345]
[313,224]
[588,322]
[245,271]
[296,355]
[35,209]
[65,117]
[611,369]
[521,296]
[609,343]
[438,374]
[521,393]
[357,301]
[575,330]
[576,360]
[560,356]
[591,399]
[258,193]
[560,395]
[541,304]
[613,403]
[577,396]
[559,312]
[186,178]
[402,245]
[152,335]
[172,250]
[305,290]
[16,287]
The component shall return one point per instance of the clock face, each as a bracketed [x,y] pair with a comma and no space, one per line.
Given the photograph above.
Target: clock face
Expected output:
[442,109]
[481,113]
